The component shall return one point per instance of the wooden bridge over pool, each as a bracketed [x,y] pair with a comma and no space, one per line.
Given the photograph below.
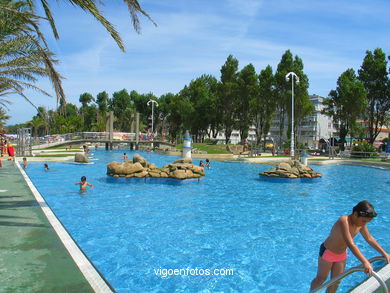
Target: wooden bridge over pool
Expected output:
[93,138]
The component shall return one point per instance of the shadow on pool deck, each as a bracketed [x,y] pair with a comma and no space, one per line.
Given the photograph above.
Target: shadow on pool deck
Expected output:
[32,257]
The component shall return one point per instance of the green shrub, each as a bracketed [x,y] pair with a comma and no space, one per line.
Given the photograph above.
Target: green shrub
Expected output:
[364,150]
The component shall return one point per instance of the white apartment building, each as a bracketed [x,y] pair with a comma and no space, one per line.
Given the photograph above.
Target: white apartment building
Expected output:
[313,129]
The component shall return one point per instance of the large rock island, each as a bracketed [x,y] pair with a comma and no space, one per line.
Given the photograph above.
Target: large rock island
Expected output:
[139,167]
[292,169]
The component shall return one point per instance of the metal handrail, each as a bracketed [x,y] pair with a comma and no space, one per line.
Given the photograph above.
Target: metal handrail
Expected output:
[352,270]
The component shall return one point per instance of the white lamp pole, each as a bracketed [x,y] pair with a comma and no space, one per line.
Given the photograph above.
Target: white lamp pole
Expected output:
[152,102]
[288,76]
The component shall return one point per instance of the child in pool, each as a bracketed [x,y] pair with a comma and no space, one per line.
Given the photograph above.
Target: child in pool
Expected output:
[83,184]
[333,252]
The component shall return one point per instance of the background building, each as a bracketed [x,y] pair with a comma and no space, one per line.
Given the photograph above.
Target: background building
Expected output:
[314,131]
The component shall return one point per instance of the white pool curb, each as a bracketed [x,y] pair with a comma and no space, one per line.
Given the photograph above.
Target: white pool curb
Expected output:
[371,284]
[90,273]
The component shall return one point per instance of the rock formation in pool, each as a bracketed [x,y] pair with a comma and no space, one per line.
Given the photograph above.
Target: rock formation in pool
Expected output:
[139,167]
[292,169]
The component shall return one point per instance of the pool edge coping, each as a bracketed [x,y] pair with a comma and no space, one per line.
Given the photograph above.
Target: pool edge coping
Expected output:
[371,284]
[89,271]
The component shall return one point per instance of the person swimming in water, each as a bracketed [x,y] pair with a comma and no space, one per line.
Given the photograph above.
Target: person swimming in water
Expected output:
[83,184]
[46,167]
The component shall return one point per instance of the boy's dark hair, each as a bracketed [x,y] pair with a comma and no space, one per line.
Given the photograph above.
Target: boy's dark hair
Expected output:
[365,209]
[83,178]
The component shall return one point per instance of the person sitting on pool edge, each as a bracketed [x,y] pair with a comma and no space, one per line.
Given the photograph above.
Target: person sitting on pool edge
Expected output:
[333,252]
[83,184]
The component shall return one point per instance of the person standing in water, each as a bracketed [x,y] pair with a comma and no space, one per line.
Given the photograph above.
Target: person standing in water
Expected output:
[24,163]
[333,251]
[83,184]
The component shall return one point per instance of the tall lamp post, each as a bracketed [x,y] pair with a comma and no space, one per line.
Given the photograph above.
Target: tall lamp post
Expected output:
[148,103]
[291,76]
[152,102]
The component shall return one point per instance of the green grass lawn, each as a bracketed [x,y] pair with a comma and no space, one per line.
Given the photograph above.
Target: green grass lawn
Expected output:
[50,155]
[209,148]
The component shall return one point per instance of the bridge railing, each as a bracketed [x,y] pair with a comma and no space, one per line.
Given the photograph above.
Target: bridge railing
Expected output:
[94,136]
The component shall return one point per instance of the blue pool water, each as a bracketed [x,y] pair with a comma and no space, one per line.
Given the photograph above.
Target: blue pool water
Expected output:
[267,232]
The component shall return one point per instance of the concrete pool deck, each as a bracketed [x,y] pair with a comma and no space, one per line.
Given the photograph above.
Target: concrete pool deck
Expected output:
[33,257]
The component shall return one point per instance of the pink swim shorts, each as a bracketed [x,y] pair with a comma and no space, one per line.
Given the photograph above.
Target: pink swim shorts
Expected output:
[329,256]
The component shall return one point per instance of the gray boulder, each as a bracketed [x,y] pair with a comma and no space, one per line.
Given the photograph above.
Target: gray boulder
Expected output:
[80,158]
[292,169]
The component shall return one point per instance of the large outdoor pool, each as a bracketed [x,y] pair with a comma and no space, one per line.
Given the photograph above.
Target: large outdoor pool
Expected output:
[266,232]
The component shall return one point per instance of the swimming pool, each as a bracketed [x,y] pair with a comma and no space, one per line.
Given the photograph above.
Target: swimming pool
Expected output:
[267,233]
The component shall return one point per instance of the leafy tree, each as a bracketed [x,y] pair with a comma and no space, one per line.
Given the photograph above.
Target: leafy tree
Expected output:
[90,114]
[120,103]
[302,105]
[164,102]
[247,87]
[263,105]
[71,110]
[85,99]
[202,94]
[100,124]
[227,95]
[283,90]
[3,117]
[140,102]
[102,100]
[177,119]
[373,73]
[346,103]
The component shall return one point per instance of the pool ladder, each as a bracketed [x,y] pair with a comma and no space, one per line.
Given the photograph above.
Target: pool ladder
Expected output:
[352,270]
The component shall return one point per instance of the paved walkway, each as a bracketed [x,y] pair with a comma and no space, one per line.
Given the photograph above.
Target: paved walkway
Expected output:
[32,257]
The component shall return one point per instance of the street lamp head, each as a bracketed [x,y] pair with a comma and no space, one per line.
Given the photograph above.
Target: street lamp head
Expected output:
[292,75]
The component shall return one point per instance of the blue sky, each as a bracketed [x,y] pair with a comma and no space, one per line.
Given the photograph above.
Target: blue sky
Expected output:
[195,37]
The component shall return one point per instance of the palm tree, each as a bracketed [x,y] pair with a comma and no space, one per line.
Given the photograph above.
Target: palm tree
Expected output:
[24,55]
[37,124]
[90,6]
[3,118]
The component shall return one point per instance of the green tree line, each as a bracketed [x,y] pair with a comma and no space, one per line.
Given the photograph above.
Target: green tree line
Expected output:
[237,100]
